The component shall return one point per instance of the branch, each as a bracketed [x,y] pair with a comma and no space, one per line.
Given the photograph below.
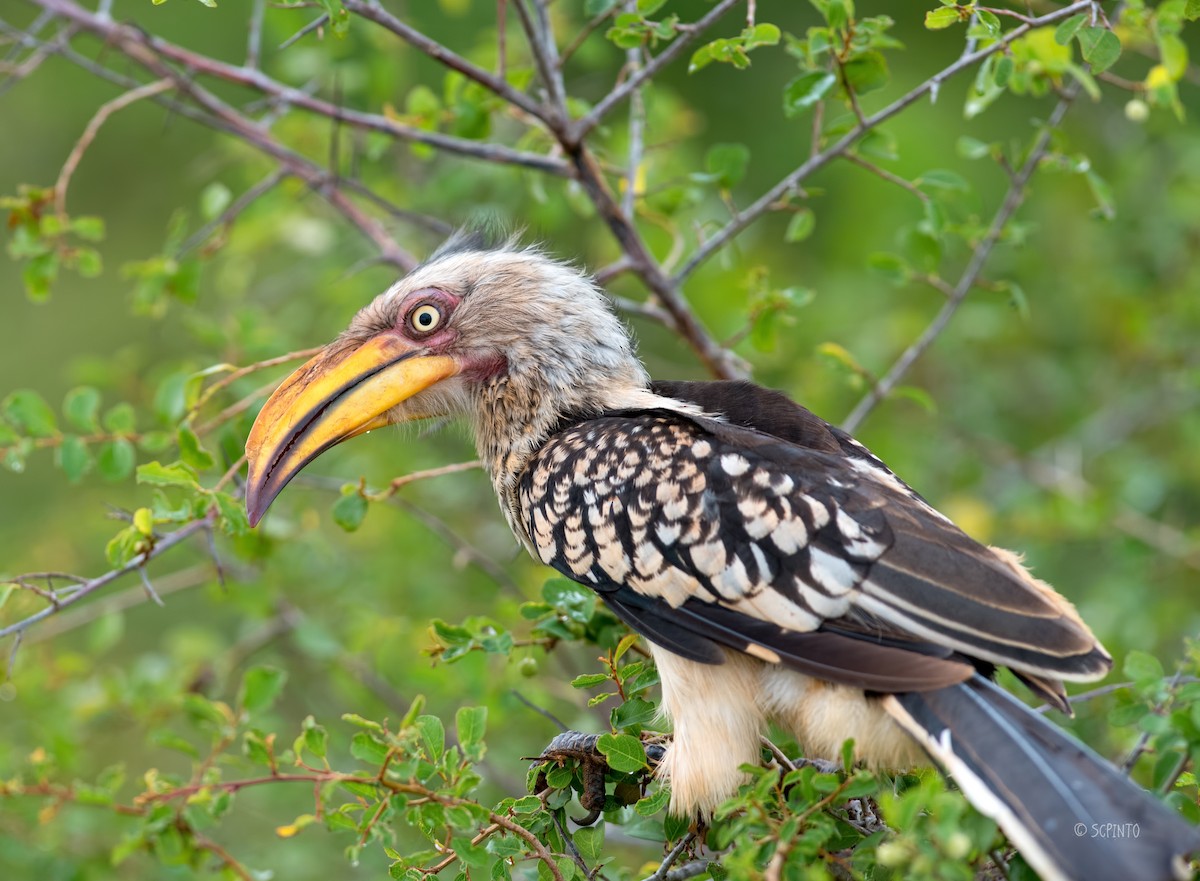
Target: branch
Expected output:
[545,56]
[89,587]
[1012,200]
[742,219]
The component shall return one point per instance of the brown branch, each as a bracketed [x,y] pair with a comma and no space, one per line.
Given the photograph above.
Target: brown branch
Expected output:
[744,218]
[405,479]
[979,257]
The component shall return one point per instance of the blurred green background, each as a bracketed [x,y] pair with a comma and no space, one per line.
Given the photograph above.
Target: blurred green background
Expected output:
[1061,422]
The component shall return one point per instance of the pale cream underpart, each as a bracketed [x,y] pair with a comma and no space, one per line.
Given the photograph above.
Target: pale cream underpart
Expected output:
[719,711]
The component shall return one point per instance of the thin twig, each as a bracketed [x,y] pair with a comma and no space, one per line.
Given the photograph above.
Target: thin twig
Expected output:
[545,57]
[87,588]
[317,23]
[254,37]
[637,133]
[89,134]
[672,856]
[236,207]
[979,256]
[908,185]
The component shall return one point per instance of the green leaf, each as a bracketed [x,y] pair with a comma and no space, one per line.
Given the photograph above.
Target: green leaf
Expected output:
[1102,193]
[367,749]
[587,680]
[764,34]
[29,413]
[943,17]
[350,509]
[88,262]
[175,474]
[232,514]
[1066,31]
[316,739]
[891,266]
[191,453]
[121,419]
[1174,55]
[727,163]
[972,148]
[653,803]
[214,199]
[261,687]
[1003,72]
[81,406]
[866,72]
[339,18]
[1100,47]
[359,721]
[433,735]
[801,226]
[471,723]
[590,841]
[624,752]
[39,274]
[803,93]
[89,228]
[74,458]
[1142,667]
[634,711]
[116,459]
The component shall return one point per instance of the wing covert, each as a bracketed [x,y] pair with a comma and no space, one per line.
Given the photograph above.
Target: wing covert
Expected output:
[708,532]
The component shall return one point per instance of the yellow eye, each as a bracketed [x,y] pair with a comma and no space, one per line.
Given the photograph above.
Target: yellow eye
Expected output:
[425,318]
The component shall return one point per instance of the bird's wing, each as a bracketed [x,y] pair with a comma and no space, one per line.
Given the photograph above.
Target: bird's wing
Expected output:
[699,532]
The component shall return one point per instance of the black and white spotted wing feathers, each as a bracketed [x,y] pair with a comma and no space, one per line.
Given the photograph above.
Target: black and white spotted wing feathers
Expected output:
[702,533]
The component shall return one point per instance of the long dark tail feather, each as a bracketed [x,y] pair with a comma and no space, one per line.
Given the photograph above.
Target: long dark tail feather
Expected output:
[1072,815]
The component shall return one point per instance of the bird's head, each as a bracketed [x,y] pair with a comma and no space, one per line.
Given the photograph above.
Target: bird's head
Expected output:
[510,339]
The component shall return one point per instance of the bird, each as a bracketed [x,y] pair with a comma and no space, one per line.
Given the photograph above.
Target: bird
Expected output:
[778,570]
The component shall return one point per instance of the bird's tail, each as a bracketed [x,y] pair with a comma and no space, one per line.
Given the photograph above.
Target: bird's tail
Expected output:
[1071,814]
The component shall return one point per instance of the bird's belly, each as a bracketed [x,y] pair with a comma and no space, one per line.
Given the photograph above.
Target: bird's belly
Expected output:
[719,711]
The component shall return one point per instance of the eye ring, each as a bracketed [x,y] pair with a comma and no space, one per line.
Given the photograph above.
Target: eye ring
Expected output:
[425,318]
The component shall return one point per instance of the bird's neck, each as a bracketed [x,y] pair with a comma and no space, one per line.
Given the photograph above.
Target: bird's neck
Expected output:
[513,419]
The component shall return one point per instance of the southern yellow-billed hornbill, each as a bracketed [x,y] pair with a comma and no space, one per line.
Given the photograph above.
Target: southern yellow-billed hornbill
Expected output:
[776,567]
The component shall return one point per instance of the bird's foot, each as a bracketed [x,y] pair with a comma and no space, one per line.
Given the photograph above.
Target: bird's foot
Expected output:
[580,748]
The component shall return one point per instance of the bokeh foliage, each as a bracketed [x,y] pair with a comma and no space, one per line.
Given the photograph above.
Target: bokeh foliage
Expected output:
[359,679]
